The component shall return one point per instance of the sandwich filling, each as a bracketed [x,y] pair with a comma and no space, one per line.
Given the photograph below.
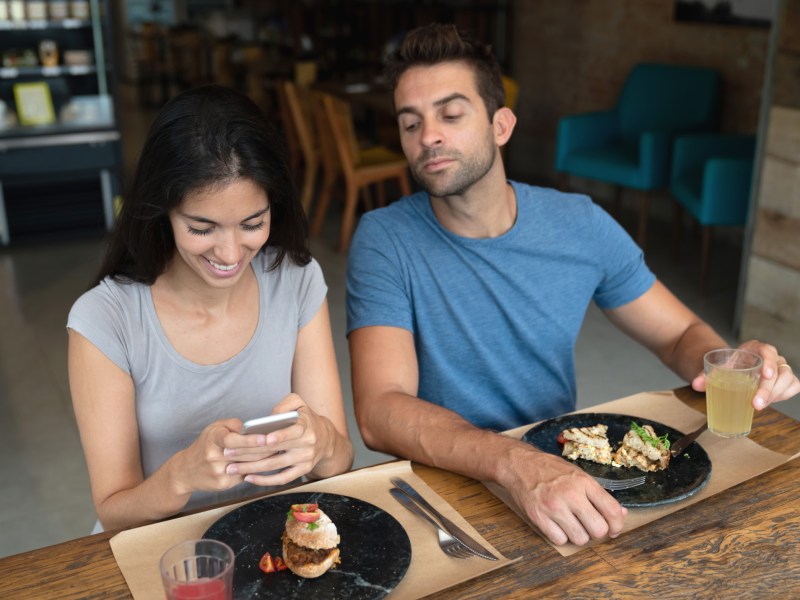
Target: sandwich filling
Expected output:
[641,448]
[589,443]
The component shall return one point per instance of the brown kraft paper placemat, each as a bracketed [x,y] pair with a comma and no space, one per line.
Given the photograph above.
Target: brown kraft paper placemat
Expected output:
[732,460]
[137,551]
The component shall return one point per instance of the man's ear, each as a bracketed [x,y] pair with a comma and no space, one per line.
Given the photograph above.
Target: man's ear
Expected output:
[503,123]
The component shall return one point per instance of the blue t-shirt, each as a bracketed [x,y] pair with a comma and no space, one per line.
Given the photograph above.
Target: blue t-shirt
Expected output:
[494,320]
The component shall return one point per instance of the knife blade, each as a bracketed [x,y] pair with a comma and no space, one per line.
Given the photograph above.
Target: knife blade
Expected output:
[448,525]
[679,446]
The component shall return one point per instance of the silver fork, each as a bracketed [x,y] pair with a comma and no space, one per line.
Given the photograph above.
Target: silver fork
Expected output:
[620,484]
[449,545]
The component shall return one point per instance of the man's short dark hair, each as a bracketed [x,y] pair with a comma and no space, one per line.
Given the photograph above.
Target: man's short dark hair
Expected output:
[438,43]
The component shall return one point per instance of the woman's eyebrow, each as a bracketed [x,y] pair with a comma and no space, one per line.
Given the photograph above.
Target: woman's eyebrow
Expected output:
[199,219]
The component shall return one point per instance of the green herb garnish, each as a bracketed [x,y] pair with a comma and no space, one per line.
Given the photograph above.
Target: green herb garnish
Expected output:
[646,437]
[289,514]
[312,526]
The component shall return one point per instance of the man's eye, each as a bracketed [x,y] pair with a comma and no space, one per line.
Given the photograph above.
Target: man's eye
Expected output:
[452,117]
[411,126]
[194,231]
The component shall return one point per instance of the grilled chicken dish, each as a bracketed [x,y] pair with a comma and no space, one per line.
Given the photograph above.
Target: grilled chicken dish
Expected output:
[643,449]
[589,443]
[640,448]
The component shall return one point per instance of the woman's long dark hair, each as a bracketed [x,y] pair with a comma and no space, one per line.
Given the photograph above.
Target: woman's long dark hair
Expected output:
[204,137]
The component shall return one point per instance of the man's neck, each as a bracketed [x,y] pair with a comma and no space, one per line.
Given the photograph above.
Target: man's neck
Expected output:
[488,209]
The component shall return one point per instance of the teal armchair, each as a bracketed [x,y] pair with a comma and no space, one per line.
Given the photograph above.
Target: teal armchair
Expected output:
[711,179]
[630,145]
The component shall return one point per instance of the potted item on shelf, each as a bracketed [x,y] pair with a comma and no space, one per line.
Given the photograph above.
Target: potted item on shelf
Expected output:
[37,10]
[16,58]
[79,9]
[16,10]
[7,117]
[48,53]
[59,10]
[87,110]
[78,58]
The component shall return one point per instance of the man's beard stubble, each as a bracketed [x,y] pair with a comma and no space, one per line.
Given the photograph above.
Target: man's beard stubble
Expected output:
[470,170]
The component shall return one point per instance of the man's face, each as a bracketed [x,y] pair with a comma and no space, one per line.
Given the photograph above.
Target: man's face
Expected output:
[445,131]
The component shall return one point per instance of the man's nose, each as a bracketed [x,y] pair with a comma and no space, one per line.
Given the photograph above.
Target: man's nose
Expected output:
[431,134]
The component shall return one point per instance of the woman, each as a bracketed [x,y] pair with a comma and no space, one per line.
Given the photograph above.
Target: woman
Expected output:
[207,311]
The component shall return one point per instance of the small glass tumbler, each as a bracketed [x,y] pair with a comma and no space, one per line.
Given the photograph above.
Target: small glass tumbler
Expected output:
[731,382]
[198,570]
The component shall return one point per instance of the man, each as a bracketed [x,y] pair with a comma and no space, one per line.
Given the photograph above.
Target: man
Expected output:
[465,301]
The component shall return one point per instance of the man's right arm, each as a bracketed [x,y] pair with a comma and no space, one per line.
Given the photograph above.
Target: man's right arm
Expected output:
[560,499]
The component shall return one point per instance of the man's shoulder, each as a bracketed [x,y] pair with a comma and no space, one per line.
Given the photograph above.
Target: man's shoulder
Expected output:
[547,195]
[405,215]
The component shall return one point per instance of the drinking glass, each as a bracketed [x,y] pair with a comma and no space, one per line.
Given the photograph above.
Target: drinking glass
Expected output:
[731,382]
[198,570]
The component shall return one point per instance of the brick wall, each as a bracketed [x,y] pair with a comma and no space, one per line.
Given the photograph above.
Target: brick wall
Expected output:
[771,303]
[573,56]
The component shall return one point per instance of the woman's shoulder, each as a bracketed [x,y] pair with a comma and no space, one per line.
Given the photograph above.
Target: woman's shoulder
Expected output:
[109,294]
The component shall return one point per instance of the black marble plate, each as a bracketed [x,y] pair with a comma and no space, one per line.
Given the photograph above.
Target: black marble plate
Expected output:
[374,550]
[685,475]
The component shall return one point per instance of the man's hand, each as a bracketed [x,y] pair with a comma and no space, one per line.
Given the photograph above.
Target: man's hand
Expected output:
[565,503]
[778,381]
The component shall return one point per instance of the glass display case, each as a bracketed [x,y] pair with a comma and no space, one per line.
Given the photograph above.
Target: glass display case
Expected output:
[59,137]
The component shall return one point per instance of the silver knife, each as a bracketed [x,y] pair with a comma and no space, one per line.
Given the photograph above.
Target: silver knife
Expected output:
[451,527]
[678,447]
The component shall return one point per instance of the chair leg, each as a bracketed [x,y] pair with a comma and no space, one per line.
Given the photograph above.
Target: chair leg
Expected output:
[381,201]
[405,185]
[705,261]
[309,177]
[677,231]
[322,205]
[366,197]
[644,212]
[348,217]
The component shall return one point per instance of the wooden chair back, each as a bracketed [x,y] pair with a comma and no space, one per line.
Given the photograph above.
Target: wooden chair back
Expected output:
[298,102]
[340,124]
[326,137]
[301,138]
[360,168]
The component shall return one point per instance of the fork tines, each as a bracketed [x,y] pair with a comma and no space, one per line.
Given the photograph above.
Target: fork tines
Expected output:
[620,484]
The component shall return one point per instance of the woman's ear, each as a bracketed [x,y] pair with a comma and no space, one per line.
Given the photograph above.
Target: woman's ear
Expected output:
[503,122]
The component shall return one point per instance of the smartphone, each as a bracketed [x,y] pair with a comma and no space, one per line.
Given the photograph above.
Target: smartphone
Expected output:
[271,423]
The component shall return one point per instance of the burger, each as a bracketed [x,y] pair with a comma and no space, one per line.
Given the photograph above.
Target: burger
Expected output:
[310,541]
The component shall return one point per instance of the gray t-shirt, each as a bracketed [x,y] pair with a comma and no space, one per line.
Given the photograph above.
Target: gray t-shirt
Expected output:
[176,398]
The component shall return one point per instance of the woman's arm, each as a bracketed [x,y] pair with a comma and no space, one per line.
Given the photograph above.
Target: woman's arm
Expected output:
[103,397]
[318,445]
[315,378]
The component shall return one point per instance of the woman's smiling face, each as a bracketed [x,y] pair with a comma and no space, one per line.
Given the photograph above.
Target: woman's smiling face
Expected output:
[219,230]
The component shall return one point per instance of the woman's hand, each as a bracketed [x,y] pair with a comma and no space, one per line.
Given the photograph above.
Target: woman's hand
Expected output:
[203,466]
[293,451]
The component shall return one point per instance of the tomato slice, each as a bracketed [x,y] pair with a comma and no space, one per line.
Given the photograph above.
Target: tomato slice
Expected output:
[279,564]
[304,507]
[266,564]
[561,439]
[306,517]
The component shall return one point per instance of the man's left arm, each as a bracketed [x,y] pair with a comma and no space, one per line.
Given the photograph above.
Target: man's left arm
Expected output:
[666,326]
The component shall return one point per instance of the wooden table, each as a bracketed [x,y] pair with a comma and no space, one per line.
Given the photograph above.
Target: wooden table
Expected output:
[741,543]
